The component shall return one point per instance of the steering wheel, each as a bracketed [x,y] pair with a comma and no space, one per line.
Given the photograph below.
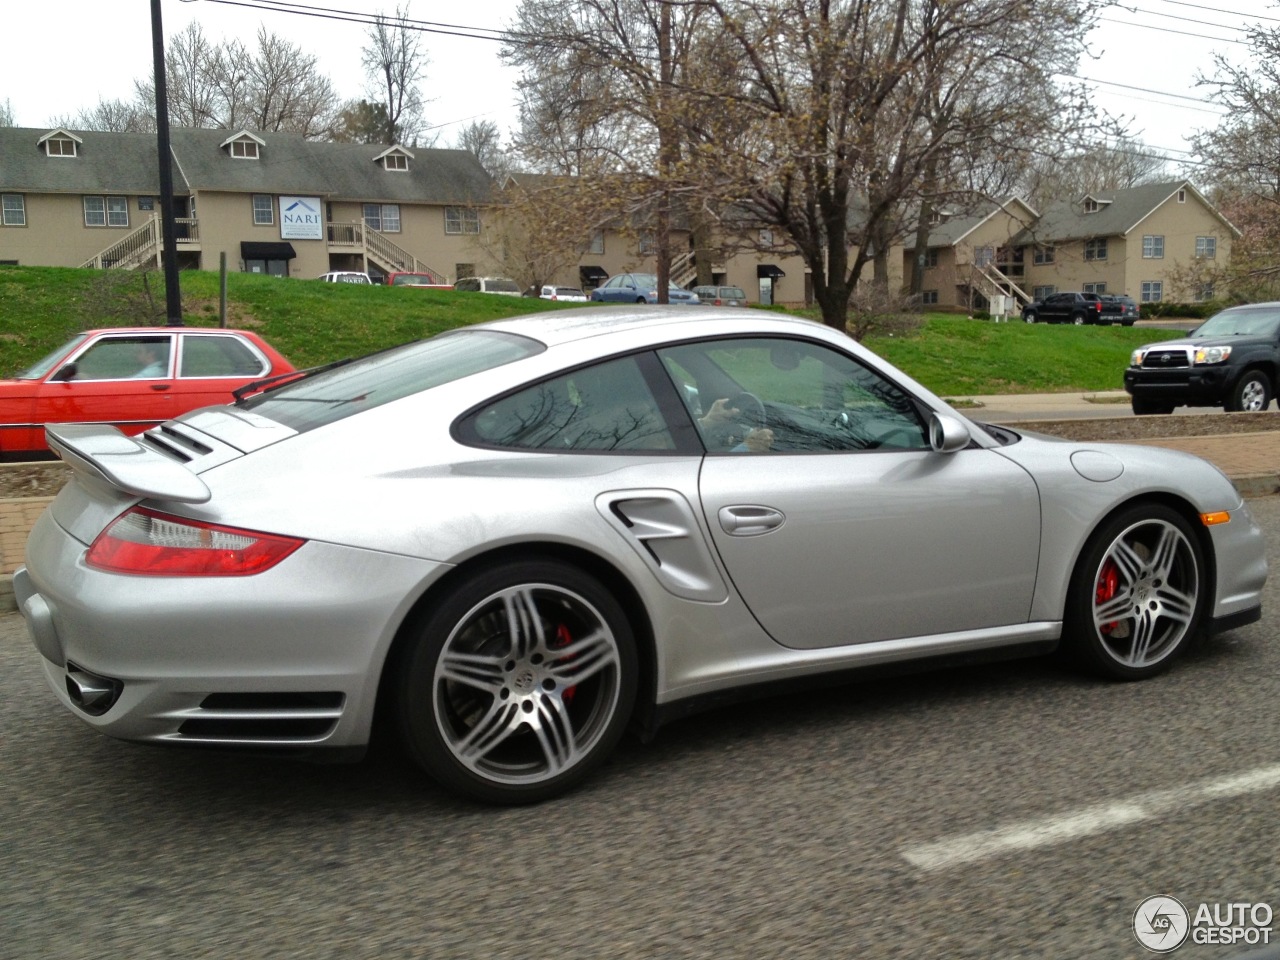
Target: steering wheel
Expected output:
[727,433]
[751,413]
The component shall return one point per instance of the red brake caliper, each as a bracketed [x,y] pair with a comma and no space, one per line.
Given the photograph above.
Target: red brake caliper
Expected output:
[563,639]
[1106,589]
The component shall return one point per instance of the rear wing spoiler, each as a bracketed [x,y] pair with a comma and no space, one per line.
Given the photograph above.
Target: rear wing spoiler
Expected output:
[102,453]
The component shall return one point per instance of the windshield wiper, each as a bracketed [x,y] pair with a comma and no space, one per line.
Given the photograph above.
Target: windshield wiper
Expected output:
[267,384]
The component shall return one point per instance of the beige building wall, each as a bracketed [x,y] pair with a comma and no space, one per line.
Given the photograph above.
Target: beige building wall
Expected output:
[1179,224]
[1071,271]
[56,235]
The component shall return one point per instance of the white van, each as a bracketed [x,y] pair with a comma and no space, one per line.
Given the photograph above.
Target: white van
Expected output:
[500,285]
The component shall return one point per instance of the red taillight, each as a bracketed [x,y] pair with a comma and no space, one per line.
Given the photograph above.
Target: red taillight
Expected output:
[719,302]
[154,544]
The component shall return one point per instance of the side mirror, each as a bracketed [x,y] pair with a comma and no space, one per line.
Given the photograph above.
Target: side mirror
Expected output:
[947,434]
[67,372]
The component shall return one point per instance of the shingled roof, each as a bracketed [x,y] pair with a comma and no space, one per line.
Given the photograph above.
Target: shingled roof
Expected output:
[125,163]
[1119,211]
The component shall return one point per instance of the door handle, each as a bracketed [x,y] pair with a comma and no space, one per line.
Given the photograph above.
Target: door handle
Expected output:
[161,386]
[749,520]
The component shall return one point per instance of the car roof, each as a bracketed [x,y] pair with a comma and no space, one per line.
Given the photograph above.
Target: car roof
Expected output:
[155,331]
[566,326]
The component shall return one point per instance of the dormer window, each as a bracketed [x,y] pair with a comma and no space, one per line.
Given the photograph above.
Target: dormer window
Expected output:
[243,146]
[60,143]
[1090,205]
[395,159]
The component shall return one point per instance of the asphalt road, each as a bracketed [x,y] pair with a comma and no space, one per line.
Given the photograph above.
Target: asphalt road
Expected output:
[1019,810]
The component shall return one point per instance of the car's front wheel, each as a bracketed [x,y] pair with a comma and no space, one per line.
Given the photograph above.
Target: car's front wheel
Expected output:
[518,683]
[1252,393]
[1137,594]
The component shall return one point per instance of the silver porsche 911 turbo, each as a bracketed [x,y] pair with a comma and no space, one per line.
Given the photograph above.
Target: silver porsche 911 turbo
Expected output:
[520,538]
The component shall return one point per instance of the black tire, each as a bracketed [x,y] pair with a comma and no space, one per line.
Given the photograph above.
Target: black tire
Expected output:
[1251,393]
[1029,316]
[641,300]
[1077,319]
[1142,408]
[488,702]
[1137,594]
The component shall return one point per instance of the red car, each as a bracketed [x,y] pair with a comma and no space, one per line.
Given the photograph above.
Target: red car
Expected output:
[130,377]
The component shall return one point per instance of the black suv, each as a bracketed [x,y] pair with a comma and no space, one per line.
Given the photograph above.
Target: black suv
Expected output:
[1074,308]
[1118,309]
[1229,361]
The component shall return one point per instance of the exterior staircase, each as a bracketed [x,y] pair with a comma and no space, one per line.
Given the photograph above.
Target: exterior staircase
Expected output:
[991,281]
[358,237]
[144,246]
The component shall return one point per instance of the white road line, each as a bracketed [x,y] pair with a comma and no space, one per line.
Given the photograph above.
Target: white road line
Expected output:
[1087,821]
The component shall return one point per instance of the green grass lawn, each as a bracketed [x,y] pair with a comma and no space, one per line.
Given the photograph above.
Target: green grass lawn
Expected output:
[312,322]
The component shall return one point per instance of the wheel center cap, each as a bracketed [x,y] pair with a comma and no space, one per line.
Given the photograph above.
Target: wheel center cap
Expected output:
[523,680]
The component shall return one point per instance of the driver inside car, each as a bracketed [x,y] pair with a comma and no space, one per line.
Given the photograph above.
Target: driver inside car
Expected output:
[757,439]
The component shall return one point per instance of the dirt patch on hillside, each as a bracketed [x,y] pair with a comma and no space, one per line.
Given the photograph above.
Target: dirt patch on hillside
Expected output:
[1153,428]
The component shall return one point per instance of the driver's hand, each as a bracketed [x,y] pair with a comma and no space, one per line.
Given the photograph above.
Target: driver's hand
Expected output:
[759,440]
[719,413]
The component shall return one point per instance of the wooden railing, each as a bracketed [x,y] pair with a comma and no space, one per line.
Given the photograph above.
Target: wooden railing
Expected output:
[143,245]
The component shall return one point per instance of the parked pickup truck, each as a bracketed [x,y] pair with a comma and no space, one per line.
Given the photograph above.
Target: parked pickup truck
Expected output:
[1074,308]
[1119,309]
[1231,361]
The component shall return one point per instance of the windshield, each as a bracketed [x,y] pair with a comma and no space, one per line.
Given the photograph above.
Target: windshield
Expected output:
[390,375]
[47,362]
[1241,321]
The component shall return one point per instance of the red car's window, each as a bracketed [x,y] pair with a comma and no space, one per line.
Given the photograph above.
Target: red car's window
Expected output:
[216,355]
[125,358]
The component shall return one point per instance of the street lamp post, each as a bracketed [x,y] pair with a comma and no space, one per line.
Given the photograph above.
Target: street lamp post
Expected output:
[173,293]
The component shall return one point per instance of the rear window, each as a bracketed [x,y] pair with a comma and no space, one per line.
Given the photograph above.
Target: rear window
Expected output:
[502,286]
[411,280]
[391,375]
[732,293]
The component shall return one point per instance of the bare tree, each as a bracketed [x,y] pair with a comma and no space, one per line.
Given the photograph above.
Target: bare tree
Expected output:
[1072,173]
[395,65]
[1242,162]
[276,87]
[112,116]
[482,139]
[6,114]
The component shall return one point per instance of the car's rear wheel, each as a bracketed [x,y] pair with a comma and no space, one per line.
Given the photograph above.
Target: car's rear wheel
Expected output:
[641,300]
[1029,316]
[1252,393]
[1137,594]
[1078,319]
[518,683]
[1142,408]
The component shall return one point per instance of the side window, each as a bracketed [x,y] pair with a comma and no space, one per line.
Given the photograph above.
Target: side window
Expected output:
[790,396]
[604,407]
[218,356]
[124,358]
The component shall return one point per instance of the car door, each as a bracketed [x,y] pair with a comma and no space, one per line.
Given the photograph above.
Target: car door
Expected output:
[121,379]
[211,365]
[847,527]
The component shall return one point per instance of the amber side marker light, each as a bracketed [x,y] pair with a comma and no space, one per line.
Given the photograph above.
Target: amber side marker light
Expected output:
[1213,519]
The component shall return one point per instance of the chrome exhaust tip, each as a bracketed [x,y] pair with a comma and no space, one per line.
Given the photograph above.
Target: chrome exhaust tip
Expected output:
[93,694]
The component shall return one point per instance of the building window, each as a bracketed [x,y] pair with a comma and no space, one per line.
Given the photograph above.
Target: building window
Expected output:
[395,161]
[596,243]
[930,259]
[263,210]
[1091,205]
[1152,291]
[106,212]
[1039,293]
[1206,248]
[647,245]
[13,210]
[928,297]
[461,220]
[1152,248]
[384,217]
[60,147]
[244,149]
[1182,196]
[1043,255]
[1204,292]
[1095,249]
[766,238]
[1095,288]
[147,203]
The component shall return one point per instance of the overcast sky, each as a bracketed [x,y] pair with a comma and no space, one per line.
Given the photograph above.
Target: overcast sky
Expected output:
[1145,64]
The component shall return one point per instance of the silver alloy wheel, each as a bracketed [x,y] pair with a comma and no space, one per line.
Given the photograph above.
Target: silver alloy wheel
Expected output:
[1146,591]
[526,684]
[1253,395]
